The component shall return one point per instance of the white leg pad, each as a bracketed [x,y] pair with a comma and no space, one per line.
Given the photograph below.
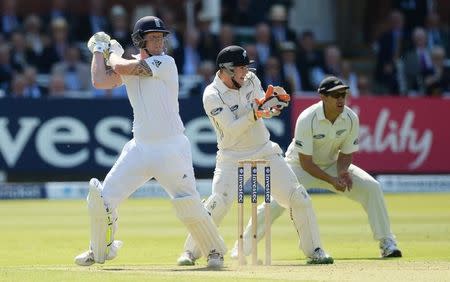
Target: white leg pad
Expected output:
[101,222]
[217,208]
[304,219]
[200,225]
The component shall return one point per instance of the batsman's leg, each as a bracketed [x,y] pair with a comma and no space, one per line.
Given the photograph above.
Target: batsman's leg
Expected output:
[202,228]
[275,212]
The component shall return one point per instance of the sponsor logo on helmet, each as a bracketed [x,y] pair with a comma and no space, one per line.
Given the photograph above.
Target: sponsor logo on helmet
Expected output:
[157,22]
[234,108]
[319,136]
[216,111]
[244,54]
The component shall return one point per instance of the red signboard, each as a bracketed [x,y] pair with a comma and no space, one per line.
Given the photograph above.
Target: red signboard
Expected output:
[398,135]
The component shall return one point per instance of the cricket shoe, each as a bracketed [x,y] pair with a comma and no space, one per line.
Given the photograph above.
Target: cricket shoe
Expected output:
[186,258]
[389,248]
[215,259]
[87,258]
[320,257]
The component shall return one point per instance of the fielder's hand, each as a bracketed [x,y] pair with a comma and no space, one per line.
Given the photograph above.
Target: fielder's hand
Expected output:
[345,179]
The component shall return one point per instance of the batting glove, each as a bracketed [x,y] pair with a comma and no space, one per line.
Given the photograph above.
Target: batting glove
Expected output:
[116,48]
[99,42]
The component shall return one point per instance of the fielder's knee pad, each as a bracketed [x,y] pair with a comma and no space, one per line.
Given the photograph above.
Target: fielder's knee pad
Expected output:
[101,222]
[201,226]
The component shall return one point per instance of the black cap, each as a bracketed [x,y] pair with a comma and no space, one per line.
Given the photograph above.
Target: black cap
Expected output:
[233,54]
[330,84]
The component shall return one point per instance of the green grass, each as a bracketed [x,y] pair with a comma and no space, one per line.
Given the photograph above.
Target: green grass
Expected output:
[39,239]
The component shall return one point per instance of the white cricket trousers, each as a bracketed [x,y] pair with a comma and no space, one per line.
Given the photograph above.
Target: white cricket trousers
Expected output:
[169,161]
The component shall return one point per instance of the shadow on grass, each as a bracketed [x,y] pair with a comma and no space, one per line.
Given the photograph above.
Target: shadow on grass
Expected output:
[181,269]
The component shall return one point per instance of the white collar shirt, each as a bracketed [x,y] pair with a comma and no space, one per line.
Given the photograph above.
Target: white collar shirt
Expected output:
[316,136]
[231,115]
[154,101]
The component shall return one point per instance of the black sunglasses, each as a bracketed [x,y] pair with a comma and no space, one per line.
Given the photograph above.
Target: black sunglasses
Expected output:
[338,94]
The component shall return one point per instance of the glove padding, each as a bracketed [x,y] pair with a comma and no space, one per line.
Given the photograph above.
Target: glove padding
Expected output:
[100,42]
[116,48]
[275,97]
[267,113]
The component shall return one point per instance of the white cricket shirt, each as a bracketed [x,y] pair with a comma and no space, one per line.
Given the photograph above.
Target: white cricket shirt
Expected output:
[231,114]
[318,137]
[155,100]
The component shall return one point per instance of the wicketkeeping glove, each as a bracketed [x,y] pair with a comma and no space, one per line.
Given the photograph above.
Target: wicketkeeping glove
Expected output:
[275,97]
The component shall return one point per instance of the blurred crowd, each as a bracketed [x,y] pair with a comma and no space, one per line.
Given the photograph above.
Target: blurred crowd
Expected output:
[45,55]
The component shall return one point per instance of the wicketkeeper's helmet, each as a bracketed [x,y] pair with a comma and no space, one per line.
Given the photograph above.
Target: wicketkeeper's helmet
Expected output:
[145,25]
[232,56]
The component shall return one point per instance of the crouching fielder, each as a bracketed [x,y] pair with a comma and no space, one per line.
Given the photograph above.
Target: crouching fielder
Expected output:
[236,105]
[158,150]
[326,135]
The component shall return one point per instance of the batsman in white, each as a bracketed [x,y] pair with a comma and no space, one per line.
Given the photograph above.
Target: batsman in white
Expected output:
[235,104]
[158,150]
[320,154]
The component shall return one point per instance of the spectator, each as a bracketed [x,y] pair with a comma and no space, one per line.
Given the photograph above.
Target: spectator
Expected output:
[417,62]
[438,35]
[7,69]
[174,38]
[18,86]
[349,77]
[9,20]
[289,68]
[120,26]
[226,37]
[32,89]
[437,80]
[56,87]
[207,71]
[187,57]
[208,42]
[55,52]
[33,34]
[76,73]
[243,12]
[21,55]
[308,57]
[272,74]
[330,66]
[93,22]
[364,86]
[264,45]
[389,48]
[59,10]
[278,24]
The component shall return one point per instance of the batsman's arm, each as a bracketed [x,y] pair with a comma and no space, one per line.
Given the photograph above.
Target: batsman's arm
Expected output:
[103,77]
[129,67]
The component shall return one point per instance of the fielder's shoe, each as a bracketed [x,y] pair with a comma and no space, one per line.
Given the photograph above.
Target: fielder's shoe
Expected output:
[389,249]
[87,258]
[215,259]
[186,258]
[319,257]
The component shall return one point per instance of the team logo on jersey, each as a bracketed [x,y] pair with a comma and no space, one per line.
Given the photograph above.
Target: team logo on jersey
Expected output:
[216,111]
[319,136]
[339,132]
[234,108]
[156,63]
[299,143]
[356,142]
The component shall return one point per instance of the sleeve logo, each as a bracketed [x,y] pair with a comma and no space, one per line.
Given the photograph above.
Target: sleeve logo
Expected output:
[299,143]
[319,136]
[356,142]
[156,63]
[234,108]
[216,111]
